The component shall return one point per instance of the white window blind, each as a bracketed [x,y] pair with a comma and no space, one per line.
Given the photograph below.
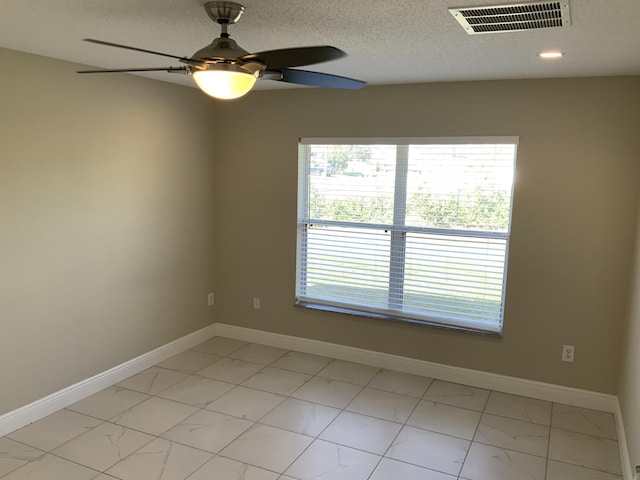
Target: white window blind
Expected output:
[412,229]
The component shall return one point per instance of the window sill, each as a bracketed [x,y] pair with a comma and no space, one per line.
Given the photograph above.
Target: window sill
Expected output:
[413,321]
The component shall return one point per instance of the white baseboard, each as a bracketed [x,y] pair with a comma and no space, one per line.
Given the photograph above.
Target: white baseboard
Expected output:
[63,398]
[475,378]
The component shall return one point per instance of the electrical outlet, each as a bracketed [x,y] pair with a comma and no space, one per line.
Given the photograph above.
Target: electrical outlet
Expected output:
[256,303]
[568,352]
[210,299]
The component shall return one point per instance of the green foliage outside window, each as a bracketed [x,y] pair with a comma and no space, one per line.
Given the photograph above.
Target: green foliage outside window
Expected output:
[469,210]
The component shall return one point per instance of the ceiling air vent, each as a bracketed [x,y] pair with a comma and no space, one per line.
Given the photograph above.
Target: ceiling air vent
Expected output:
[512,18]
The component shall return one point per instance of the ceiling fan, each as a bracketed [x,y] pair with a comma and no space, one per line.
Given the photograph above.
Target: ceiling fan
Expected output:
[226,71]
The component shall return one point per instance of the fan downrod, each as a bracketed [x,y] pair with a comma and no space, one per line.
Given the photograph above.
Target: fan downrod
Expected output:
[224,13]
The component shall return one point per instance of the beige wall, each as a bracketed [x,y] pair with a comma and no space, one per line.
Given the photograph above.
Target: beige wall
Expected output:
[106,221]
[630,376]
[575,210]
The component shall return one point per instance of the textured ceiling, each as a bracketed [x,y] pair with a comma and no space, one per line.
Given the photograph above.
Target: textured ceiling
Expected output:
[388,42]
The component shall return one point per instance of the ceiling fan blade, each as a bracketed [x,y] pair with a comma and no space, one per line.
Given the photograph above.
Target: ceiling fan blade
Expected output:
[136,49]
[125,70]
[295,57]
[317,79]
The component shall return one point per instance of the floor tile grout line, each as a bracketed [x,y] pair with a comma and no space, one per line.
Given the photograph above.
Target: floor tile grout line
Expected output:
[516,419]
[475,433]
[588,468]
[32,460]
[65,459]
[50,450]
[585,434]
[234,460]
[546,465]
[509,449]
[112,386]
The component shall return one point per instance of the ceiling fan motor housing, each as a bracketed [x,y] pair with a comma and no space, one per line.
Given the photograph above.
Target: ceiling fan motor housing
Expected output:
[220,49]
[224,13]
[224,50]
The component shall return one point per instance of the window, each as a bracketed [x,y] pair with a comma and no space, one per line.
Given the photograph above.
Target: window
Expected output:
[409,229]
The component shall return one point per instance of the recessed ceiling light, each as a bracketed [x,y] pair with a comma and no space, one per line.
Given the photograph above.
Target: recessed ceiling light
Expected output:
[551,54]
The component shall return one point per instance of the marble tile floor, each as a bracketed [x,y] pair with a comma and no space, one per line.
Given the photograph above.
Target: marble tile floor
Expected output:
[231,410]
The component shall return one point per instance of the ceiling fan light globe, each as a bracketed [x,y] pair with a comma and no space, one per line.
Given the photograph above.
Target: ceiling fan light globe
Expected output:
[224,83]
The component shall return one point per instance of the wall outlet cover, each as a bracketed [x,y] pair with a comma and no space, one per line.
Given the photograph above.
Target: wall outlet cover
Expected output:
[568,353]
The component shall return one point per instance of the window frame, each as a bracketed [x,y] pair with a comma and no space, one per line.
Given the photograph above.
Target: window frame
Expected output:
[398,242]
